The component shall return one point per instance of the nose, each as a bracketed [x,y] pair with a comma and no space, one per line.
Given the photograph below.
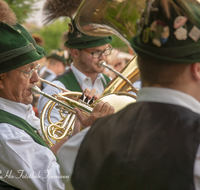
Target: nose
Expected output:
[35,77]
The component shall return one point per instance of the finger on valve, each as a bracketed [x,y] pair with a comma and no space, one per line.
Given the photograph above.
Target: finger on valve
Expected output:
[89,96]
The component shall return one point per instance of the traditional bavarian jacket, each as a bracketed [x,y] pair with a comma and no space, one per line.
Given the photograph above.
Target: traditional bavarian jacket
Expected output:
[72,80]
[26,161]
[151,144]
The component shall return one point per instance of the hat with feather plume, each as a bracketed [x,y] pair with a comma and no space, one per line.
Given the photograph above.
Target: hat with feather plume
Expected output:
[169,30]
[16,50]
[53,9]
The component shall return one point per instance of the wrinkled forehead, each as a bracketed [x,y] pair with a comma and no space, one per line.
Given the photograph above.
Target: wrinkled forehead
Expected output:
[30,65]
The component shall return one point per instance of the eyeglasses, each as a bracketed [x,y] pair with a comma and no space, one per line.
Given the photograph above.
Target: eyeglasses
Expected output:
[30,73]
[98,54]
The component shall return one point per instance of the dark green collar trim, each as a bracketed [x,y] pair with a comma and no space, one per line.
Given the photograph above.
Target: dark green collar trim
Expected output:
[70,81]
[18,122]
[107,80]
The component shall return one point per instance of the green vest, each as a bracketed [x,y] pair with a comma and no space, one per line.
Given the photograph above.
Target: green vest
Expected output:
[71,83]
[18,122]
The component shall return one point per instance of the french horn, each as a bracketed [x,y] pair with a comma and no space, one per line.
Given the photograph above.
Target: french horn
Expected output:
[100,18]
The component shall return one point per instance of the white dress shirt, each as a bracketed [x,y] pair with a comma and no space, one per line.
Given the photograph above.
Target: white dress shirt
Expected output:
[86,82]
[83,80]
[42,70]
[68,152]
[21,156]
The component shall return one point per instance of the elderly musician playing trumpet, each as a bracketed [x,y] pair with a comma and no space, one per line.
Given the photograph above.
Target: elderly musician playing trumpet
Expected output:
[26,161]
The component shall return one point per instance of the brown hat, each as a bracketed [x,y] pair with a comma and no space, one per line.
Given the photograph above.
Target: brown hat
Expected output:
[39,39]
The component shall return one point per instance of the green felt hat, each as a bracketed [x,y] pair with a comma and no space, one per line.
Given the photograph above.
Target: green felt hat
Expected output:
[58,55]
[28,36]
[169,30]
[15,50]
[78,40]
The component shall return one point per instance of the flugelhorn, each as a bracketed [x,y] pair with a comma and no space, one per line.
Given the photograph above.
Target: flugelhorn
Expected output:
[65,102]
[57,131]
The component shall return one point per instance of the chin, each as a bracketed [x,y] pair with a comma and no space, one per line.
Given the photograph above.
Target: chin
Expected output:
[28,100]
[100,70]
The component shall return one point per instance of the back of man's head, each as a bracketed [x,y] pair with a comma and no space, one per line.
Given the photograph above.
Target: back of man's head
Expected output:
[55,56]
[165,74]
[56,61]
[168,40]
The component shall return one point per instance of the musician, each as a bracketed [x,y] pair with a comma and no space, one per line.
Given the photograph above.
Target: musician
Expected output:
[55,66]
[87,52]
[26,161]
[23,151]
[153,143]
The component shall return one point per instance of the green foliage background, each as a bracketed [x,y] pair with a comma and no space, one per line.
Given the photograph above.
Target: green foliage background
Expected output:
[22,8]
[52,34]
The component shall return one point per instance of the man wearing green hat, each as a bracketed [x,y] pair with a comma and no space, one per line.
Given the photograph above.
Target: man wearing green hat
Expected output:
[87,52]
[26,161]
[153,143]
[55,66]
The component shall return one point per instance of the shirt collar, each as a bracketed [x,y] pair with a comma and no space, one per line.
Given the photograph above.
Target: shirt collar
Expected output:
[81,77]
[15,108]
[168,96]
[50,71]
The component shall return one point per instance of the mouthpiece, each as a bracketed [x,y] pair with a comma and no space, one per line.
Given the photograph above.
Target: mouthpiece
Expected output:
[102,63]
[35,89]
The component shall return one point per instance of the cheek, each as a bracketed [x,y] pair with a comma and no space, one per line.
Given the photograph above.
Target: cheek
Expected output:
[24,84]
[87,59]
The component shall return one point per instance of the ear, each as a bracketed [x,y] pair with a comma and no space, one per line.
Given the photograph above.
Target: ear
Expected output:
[74,52]
[195,71]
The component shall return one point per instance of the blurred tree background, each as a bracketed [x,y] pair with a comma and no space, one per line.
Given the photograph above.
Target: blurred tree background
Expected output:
[22,8]
[52,34]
